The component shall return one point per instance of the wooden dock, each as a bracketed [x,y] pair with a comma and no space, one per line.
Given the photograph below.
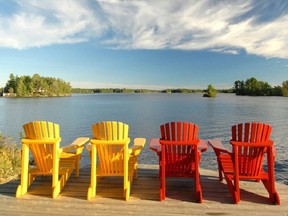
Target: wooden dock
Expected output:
[144,198]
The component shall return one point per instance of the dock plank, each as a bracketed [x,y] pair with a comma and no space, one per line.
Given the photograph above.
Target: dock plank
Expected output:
[144,199]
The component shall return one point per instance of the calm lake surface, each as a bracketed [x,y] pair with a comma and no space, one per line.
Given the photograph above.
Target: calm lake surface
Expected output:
[146,112]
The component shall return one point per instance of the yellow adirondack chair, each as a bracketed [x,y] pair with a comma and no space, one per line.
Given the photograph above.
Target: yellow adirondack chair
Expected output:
[43,141]
[115,158]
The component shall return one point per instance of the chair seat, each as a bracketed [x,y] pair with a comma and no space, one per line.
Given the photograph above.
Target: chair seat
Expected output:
[228,170]
[100,172]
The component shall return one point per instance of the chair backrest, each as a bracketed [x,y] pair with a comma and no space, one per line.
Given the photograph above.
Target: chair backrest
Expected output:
[179,142]
[42,151]
[250,141]
[112,151]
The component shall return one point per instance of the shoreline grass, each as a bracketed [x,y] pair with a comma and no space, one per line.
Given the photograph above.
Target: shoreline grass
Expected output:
[10,159]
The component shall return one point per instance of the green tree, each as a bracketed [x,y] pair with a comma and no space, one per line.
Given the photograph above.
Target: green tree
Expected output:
[285,88]
[239,87]
[277,91]
[11,84]
[37,83]
[252,87]
[21,89]
[210,92]
[264,88]
[25,86]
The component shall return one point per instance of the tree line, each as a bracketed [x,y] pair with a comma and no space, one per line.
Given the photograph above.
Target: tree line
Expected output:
[111,90]
[124,90]
[253,87]
[36,86]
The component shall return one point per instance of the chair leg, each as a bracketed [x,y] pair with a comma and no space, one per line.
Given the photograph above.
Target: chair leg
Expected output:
[93,178]
[162,188]
[31,178]
[127,191]
[220,169]
[134,162]
[56,190]
[199,196]
[273,195]
[77,165]
[198,190]
[91,193]
[135,175]
[220,172]
[23,187]
[234,190]
[275,198]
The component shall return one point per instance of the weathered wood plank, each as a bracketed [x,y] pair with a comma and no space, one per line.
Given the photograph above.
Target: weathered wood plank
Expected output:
[144,199]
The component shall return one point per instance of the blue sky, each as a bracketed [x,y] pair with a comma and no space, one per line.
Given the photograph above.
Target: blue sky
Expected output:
[152,44]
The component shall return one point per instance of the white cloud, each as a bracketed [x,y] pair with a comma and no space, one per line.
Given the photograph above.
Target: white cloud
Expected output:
[42,23]
[221,26]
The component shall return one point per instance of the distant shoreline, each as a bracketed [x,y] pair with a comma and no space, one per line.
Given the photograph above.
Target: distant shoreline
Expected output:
[9,95]
[124,90]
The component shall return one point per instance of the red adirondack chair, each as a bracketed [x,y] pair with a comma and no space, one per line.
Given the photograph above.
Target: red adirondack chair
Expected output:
[179,155]
[250,144]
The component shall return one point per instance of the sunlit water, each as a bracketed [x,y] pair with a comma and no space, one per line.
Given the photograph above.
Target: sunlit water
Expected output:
[146,112]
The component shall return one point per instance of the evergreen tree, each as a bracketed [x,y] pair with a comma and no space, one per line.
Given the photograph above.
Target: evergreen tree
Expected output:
[21,89]
[253,87]
[25,86]
[11,84]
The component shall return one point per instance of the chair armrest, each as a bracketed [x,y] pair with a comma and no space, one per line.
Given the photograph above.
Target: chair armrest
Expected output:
[218,147]
[155,145]
[138,145]
[77,143]
[202,145]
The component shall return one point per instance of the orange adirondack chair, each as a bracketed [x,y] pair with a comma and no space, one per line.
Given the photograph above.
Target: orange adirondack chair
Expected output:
[43,141]
[250,144]
[115,158]
[179,155]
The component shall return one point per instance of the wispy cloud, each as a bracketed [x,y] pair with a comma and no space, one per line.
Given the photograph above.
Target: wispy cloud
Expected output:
[41,23]
[221,26]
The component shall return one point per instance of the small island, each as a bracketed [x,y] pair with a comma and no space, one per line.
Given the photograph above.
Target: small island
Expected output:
[36,86]
[210,92]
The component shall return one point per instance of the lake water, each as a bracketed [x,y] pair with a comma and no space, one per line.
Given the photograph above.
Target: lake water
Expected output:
[146,112]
